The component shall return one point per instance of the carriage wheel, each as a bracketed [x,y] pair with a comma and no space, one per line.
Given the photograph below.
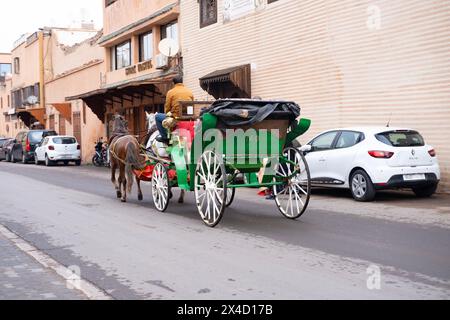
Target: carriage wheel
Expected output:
[231,192]
[293,197]
[211,188]
[160,187]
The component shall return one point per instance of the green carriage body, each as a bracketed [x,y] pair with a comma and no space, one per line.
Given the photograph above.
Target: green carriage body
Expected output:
[210,162]
[246,162]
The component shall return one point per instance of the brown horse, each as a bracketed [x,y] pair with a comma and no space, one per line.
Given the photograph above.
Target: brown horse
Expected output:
[125,154]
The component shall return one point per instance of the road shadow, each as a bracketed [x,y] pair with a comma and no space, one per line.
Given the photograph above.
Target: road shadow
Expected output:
[404,198]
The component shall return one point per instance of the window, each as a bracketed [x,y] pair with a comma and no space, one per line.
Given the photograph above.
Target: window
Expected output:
[113,58]
[109,2]
[16,65]
[17,99]
[324,142]
[348,139]
[64,140]
[170,31]
[146,47]
[121,56]
[401,138]
[5,68]
[208,12]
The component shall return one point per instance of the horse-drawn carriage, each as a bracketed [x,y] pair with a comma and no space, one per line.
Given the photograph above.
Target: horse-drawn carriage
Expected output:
[212,150]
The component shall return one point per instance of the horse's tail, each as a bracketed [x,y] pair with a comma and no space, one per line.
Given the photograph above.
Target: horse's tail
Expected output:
[132,162]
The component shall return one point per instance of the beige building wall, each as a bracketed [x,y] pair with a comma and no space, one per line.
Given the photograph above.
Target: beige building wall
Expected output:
[28,55]
[347,63]
[9,125]
[121,24]
[75,69]
[123,12]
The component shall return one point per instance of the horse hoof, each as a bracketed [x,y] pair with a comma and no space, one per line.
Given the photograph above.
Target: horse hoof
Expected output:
[181,201]
[123,200]
[170,195]
[119,195]
[140,197]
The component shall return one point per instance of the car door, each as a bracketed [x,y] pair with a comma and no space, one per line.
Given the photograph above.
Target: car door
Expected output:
[317,157]
[342,156]
[40,150]
[17,148]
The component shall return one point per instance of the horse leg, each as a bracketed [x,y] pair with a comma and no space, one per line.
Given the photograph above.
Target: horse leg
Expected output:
[140,196]
[181,199]
[123,183]
[113,179]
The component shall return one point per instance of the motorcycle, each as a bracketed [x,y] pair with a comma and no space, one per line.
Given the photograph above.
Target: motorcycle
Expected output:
[101,156]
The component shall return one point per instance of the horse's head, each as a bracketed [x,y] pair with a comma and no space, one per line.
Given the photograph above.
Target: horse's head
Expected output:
[151,120]
[119,123]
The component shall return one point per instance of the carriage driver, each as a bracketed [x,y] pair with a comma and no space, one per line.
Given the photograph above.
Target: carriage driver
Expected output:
[172,107]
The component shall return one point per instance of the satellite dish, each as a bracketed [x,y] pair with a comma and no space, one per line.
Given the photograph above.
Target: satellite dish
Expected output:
[169,47]
[32,100]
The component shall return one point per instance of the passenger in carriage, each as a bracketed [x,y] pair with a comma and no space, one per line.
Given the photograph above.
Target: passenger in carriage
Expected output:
[172,107]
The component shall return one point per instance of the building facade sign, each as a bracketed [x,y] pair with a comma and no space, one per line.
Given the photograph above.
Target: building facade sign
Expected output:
[147,65]
[235,9]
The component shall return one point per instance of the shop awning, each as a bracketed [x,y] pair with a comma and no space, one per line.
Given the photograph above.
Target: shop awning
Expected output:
[235,79]
[98,100]
[65,109]
[29,116]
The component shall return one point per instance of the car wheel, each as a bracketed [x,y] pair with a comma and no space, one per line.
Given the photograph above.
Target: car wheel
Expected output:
[362,187]
[425,192]
[48,162]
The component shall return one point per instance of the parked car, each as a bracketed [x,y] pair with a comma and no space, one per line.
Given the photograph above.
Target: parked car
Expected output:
[6,150]
[369,159]
[3,142]
[54,149]
[25,144]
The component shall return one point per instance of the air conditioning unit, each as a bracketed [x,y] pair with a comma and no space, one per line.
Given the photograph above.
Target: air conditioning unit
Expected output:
[162,61]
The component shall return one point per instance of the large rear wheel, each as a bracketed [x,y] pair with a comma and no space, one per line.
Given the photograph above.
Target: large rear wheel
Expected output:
[211,188]
[292,198]
[160,187]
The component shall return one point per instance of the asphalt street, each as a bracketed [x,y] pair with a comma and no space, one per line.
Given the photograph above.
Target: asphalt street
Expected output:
[131,251]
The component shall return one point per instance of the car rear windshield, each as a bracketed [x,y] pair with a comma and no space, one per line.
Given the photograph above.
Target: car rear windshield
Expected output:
[36,136]
[401,138]
[64,141]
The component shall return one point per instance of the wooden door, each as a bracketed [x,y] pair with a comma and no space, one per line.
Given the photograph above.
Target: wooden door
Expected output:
[77,126]
[62,125]
[52,122]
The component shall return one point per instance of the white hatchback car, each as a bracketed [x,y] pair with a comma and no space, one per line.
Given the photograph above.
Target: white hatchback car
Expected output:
[58,149]
[368,159]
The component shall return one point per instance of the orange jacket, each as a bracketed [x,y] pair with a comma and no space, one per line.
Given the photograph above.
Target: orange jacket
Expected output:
[174,96]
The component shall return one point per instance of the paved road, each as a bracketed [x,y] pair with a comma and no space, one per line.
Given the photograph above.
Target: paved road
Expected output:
[132,251]
[24,278]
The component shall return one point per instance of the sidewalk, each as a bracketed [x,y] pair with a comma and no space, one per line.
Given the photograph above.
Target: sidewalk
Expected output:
[23,278]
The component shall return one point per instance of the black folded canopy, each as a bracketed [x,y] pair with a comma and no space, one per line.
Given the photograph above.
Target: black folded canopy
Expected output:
[246,112]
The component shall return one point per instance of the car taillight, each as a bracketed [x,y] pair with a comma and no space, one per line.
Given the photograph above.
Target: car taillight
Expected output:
[51,148]
[78,147]
[381,154]
[432,153]
[27,146]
